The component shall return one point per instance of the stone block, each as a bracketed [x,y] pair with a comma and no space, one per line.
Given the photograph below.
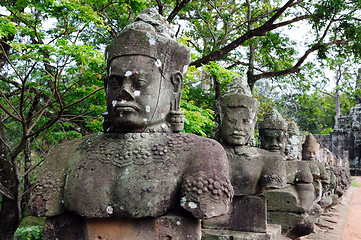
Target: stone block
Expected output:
[297,224]
[294,198]
[248,213]
[284,200]
[73,227]
[273,232]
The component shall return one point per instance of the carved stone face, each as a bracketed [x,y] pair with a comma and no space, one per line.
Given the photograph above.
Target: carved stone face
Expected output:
[273,140]
[237,125]
[134,92]
[311,154]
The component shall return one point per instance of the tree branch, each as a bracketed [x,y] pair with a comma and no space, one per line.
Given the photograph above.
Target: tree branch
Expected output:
[160,7]
[55,119]
[327,93]
[296,67]
[260,31]
[177,9]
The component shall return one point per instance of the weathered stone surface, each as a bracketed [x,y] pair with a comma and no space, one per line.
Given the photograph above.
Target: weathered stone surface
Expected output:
[273,233]
[294,146]
[67,226]
[318,171]
[135,175]
[254,170]
[295,198]
[292,222]
[253,207]
[298,171]
[146,68]
[70,226]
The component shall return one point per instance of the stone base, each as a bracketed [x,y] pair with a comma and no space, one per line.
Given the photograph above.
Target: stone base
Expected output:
[293,225]
[273,233]
[293,198]
[248,214]
[73,227]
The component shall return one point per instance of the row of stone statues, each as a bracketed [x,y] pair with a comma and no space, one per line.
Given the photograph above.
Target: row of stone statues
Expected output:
[143,179]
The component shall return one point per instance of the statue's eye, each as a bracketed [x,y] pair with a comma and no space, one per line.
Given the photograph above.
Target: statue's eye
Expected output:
[114,81]
[141,82]
[232,120]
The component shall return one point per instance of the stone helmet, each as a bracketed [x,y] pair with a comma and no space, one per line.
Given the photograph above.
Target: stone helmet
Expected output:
[310,143]
[150,35]
[273,120]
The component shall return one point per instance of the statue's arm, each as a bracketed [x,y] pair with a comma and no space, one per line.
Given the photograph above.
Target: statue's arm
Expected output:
[46,198]
[274,172]
[206,190]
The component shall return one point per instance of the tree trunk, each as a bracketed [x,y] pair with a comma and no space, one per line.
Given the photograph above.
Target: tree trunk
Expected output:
[10,212]
[337,97]
[250,72]
[217,87]
[27,157]
[358,87]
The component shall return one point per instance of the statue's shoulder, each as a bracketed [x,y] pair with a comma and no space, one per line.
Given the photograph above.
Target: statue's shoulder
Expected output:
[270,156]
[60,155]
[258,153]
[202,141]
[46,197]
[205,149]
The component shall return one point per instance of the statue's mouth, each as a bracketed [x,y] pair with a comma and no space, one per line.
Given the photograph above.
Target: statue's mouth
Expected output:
[126,108]
[238,135]
[274,149]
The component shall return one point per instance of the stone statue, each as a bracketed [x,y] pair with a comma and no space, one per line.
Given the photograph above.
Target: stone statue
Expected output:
[252,170]
[273,132]
[289,206]
[141,178]
[311,154]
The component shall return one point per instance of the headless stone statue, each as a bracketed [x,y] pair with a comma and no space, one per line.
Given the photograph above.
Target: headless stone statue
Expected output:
[253,170]
[141,178]
[290,205]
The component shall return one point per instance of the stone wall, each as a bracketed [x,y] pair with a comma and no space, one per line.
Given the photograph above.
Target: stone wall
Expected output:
[345,140]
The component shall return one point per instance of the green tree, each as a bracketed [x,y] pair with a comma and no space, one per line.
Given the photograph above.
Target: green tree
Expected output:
[250,38]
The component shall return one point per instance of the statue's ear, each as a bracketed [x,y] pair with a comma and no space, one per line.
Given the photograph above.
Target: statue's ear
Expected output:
[105,83]
[177,81]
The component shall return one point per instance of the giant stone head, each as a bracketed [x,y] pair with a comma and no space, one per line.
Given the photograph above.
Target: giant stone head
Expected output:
[237,114]
[273,132]
[145,68]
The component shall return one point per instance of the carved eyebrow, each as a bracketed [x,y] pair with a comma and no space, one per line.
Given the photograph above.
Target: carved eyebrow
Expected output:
[115,75]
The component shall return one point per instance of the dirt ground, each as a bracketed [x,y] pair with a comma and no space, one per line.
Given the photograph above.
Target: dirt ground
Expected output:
[343,221]
[353,224]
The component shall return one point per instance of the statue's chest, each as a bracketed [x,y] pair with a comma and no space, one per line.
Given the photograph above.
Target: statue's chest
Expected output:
[128,173]
[245,173]
[132,162]
[128,152]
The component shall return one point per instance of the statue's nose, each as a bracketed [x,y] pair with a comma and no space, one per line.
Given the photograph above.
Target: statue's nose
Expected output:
[125,93]
[274,142]
[239,125]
